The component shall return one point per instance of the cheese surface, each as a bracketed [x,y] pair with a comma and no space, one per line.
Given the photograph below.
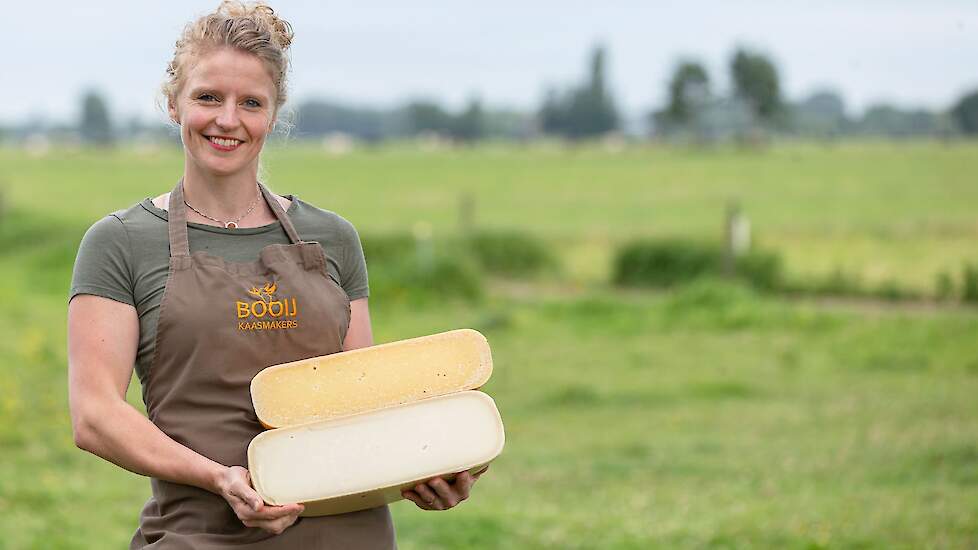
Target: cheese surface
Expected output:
[363,461]
[371,378]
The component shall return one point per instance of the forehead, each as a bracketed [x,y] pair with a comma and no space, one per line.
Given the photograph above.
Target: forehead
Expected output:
[231,71]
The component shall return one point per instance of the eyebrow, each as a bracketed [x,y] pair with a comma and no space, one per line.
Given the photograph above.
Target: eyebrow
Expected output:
[204,89]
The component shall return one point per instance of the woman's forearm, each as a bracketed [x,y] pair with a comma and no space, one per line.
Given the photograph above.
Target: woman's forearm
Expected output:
[117,432]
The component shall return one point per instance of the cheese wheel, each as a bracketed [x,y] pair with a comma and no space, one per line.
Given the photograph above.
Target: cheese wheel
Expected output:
[371,378]
[366,460]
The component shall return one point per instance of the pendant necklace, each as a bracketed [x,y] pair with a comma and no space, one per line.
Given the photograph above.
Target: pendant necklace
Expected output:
[228,224]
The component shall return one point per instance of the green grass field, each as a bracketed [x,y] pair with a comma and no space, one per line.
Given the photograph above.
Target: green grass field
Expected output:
[706,417]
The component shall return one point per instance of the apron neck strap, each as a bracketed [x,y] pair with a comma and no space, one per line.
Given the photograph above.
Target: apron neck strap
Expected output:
[177,220]
[280,214]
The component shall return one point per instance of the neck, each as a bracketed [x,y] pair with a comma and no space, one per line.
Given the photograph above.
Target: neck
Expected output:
[221,196]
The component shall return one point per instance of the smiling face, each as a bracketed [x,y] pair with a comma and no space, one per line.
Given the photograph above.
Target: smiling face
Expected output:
[225,109]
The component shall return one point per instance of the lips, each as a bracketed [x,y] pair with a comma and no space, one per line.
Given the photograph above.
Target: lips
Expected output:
[223,143]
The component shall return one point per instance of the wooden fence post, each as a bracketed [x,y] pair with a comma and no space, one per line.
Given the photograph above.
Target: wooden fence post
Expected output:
[736,238]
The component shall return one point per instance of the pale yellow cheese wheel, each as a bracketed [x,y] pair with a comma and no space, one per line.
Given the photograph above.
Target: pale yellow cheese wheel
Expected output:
[371,378]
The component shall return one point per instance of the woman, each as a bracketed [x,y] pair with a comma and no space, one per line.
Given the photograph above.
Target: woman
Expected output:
[155,287]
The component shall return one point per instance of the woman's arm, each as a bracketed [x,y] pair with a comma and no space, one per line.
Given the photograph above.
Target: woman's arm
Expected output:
[102,341]
[359,335]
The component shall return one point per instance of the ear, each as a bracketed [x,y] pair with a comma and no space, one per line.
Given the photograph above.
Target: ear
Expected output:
[172,111]
[272,121]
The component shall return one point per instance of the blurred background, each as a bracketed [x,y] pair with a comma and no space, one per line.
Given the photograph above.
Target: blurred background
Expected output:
[725,253]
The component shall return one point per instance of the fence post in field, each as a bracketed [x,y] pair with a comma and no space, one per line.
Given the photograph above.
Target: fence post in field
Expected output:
[736,237]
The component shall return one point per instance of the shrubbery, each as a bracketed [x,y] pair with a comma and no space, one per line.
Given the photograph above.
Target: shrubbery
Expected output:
[967,290]
[669,262]
[510,253]
[410,280]
[403,268]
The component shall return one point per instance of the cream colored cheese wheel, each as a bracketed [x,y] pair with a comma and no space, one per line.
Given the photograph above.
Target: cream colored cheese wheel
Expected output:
[365,460]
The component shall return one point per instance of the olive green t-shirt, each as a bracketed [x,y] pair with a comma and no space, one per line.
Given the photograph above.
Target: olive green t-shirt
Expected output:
[125,257]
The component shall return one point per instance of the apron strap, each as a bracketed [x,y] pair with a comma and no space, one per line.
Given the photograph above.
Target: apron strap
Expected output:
[177,220]
[280,214]
[176,216]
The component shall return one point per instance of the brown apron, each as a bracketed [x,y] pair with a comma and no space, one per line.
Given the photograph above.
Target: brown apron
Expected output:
[220,324]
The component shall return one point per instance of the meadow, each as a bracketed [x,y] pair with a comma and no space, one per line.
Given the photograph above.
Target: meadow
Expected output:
[706,416]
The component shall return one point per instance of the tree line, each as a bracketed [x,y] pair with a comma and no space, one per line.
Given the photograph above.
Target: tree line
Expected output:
[754,106]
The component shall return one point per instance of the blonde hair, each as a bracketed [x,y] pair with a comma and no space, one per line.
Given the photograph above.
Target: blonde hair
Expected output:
[250,27]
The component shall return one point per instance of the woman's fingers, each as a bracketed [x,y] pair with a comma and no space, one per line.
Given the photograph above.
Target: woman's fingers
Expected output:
[438,494]
[235,487]
[429,497]
[272,513]
[447,494]
[415,498]
[246,495]
[463,484]
[276,526]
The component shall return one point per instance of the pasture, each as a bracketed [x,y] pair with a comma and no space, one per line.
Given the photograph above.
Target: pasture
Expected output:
[709,416]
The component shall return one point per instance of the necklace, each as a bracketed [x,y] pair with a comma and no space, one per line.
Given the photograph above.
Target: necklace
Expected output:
[229,224]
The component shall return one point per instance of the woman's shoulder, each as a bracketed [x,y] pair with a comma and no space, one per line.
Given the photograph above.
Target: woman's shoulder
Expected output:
[116,223]
[324,224]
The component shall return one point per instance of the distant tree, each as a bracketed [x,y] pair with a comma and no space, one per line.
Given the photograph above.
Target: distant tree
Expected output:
[689,95]
[470,125]
[428,116]
[755,80]
[554,113]
[95,126]
[585,111]
[965,113]
[689,90]
[592,111]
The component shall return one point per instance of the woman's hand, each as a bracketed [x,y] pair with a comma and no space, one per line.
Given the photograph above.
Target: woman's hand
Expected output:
[234,484]
[438,494]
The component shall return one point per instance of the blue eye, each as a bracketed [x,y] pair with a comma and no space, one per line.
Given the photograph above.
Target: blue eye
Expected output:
[253,103]
[206,97]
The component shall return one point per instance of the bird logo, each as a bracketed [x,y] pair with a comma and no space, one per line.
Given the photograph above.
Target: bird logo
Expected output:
[264,293]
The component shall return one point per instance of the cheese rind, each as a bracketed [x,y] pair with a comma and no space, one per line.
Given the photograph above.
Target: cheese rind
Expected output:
[371,378]
[366,460]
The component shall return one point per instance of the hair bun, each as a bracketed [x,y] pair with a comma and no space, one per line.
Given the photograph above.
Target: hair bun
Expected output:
[264,18]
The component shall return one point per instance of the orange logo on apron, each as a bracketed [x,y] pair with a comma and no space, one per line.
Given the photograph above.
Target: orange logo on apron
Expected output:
[282,312]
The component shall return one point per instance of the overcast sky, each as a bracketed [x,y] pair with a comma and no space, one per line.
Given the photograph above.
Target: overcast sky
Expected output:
[912,53]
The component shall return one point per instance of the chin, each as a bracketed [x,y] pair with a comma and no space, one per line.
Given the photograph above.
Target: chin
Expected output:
[221,167]
[223,170]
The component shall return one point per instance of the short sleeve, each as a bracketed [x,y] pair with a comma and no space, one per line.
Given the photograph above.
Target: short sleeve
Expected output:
[353,268]
[103,266]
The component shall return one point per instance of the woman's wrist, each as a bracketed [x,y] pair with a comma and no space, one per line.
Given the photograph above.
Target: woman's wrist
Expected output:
[214,477]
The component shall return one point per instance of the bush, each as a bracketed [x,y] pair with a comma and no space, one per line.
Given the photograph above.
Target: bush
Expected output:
[398,272]
[969,283]
[944,286]
[666,263]
[761,269]
[509,253]
[444,277]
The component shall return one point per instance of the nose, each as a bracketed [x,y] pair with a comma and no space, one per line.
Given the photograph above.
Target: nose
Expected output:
[227,118]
